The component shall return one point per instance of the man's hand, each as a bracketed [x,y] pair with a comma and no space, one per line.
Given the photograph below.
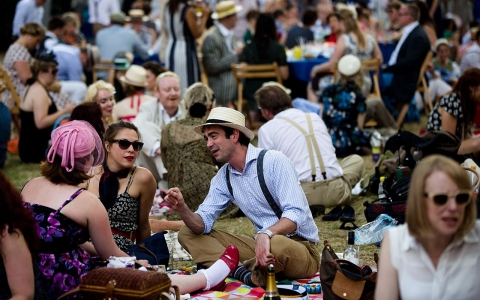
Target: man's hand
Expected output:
[262,251]
[175,198]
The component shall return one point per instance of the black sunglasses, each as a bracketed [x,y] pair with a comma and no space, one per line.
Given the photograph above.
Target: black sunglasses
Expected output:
[461,197]
[53,72]
[125,144]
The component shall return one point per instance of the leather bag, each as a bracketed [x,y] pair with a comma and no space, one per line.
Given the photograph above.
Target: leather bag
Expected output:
[124,284]
[342,279]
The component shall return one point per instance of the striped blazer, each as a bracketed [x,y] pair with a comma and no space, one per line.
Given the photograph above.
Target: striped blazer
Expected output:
[217,60]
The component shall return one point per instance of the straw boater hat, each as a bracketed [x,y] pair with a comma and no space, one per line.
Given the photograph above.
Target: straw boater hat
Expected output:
[228,117]
[225,8]
[136,76]
[349,65]
[137,14]
[274,83]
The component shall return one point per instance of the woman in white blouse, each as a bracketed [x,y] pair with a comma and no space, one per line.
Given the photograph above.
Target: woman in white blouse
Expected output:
[435,255]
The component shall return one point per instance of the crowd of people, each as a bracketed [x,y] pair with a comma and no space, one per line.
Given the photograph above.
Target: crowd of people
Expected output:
[163,118]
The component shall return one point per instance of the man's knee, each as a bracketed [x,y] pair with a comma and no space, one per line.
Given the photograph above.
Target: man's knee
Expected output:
[184,234]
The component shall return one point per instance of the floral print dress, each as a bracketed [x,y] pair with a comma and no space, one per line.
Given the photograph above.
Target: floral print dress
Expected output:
[342,105]
[62,262]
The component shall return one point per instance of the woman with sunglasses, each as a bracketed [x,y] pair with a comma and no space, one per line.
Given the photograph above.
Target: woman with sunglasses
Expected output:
[126,191]
[38,111]
[435,254]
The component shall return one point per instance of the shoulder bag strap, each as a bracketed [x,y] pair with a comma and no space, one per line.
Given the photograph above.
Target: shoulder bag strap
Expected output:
[310,139]
[263,185]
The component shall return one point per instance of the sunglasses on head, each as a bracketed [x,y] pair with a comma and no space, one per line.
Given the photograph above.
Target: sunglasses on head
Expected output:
[461,197]
[125,144]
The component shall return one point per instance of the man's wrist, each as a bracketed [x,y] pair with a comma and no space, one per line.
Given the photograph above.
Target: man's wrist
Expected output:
[264,231]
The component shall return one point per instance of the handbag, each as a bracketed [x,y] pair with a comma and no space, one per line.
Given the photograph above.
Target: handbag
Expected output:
[154,249]
[342,279]
[123,284]
[395,210]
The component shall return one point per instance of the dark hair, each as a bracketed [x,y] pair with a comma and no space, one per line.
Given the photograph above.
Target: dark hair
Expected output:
[477,35]
[154,67]
[197,110]
[278,13]
[90,112]
[14,215]
[55,22]
[394,5]
[114,128]
[309,16]
[273,98]
[57,174]
[147,8]
[470,78]
[425,17]
[242,139]
[173,5]
[289,5]
[265,32]
[44,61]
[333,15]
[252,14]
[132,89]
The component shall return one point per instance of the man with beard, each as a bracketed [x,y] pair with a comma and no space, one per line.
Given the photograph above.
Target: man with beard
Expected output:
[264,185]
[153,117]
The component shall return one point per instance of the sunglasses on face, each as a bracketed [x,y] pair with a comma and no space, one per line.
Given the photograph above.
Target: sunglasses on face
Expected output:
[462,197]
[53,72]
[125,144]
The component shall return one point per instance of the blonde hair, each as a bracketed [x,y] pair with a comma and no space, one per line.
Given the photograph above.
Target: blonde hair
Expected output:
[71,17]
[198,93]
[92,92]
[416,214]
[33,29]
[166,74]
[351,26]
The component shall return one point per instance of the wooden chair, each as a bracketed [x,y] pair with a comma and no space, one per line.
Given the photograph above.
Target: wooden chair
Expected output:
[106,66]
[15,109]
[203,75]
[244,71]
[422,88]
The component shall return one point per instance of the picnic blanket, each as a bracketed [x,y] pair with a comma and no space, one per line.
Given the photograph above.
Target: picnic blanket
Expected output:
[238,290]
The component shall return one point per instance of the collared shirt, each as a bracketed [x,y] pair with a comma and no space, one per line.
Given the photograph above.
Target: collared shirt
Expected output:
[471,58]
[27,11]
[167,120]
[100,10]
[116,38]
[278,134]
[228,36]
[69,65]
[405,32]
[282,182]
[456,276]
[50,40]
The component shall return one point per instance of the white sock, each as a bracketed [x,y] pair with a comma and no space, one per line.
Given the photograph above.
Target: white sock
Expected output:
[215,274]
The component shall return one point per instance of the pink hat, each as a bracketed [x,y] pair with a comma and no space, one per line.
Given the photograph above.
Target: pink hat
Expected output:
[78,144]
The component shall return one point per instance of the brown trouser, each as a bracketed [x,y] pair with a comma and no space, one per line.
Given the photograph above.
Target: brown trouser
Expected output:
[294,257]
[336,191]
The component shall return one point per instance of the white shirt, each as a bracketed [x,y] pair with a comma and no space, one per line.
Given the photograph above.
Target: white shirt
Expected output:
[405,32]
[227,35]
[100,10]
[278,134]
[457,275]
[167,119]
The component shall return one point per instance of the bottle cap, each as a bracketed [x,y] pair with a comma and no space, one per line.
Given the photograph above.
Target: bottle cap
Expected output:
[382,179]
[474,167]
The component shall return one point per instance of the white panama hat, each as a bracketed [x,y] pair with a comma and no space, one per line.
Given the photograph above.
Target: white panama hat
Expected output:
[349,65]
[136,76]
[228,117]
[225,8]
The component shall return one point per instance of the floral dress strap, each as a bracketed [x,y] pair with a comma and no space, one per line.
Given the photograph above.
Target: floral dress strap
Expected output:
[73,196]
[130,179]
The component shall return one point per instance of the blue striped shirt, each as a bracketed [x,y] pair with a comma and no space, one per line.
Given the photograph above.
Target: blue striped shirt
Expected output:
[282,181]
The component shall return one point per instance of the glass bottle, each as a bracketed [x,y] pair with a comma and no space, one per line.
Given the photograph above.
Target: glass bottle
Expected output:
[351,254]
[381,193]
[271,292]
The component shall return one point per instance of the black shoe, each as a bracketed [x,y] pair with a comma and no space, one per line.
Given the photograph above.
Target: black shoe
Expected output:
[348,214]
[334,214]
[317,210]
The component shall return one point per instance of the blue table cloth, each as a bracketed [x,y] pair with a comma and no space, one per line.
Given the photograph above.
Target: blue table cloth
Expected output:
[301,68]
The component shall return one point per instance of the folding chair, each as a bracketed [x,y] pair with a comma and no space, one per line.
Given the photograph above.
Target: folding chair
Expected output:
[105,66]
[15,109]
[244,71]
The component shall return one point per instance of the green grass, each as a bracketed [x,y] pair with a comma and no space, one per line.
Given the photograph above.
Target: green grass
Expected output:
[19,173]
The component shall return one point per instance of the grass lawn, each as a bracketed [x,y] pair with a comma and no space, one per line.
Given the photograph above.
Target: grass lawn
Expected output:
[19,173]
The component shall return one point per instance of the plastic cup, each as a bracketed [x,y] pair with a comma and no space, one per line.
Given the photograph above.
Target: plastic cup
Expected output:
[297,52]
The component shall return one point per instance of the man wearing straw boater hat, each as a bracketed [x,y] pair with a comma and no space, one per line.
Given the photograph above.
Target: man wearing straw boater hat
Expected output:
[265,187]
[220,51]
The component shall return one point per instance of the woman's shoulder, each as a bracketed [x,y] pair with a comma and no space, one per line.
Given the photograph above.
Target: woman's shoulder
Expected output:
[142,175]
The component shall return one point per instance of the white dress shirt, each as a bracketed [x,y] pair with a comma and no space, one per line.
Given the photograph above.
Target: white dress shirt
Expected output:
[167,120]
[27,11]
[457,275]
[228,36]
[100,10]
[405,32]
[278,134]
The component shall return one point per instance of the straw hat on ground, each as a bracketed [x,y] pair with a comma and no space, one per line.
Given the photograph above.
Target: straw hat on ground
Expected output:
[137,14]
[228,117]
[349,65]
[225,8]
[136,76]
